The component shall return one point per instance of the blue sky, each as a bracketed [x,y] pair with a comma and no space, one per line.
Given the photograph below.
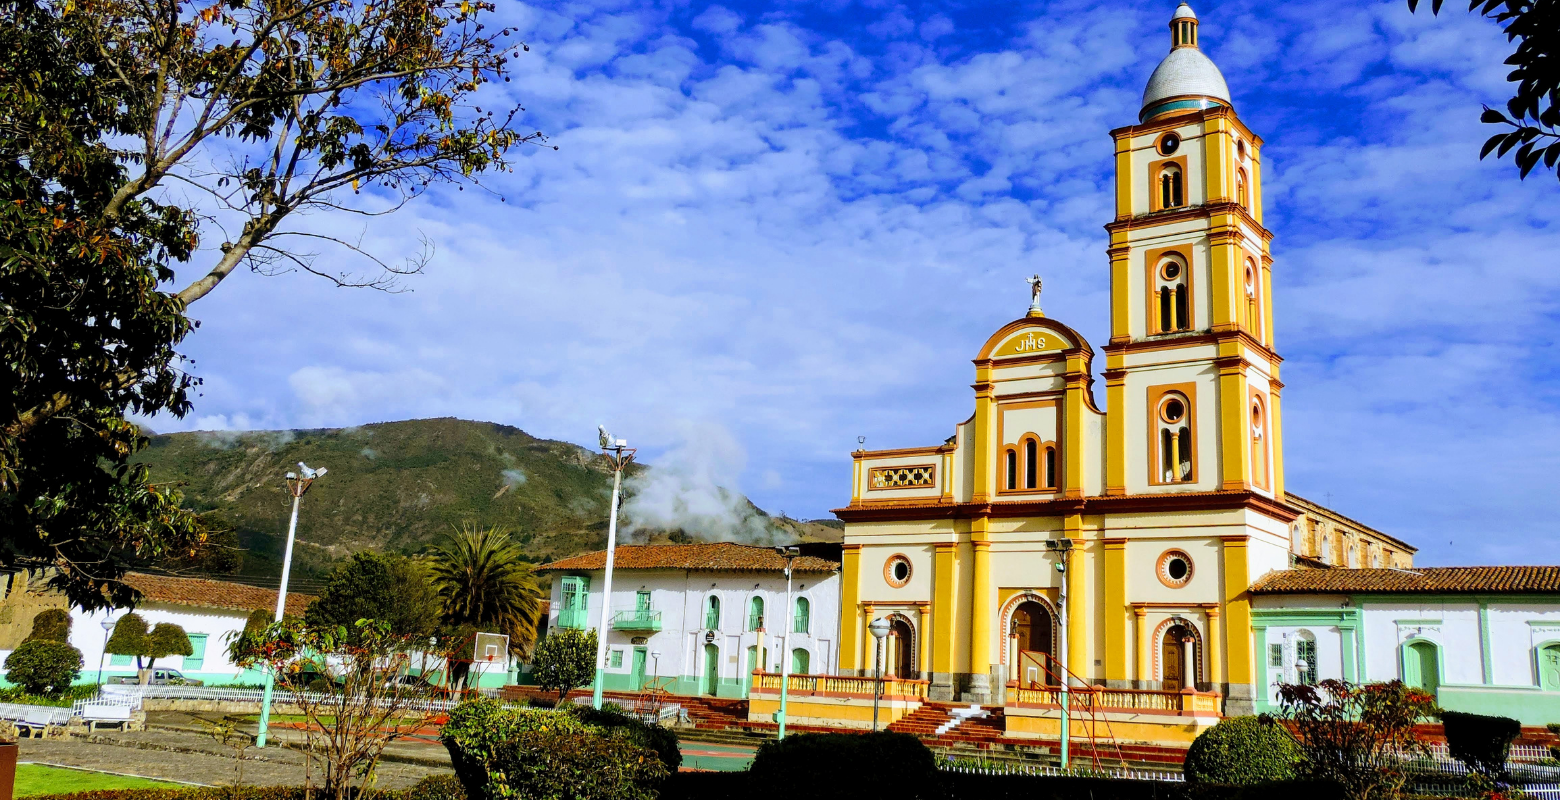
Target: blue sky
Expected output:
[769,229]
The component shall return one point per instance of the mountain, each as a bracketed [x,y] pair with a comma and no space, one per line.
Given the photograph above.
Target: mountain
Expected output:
[401,486]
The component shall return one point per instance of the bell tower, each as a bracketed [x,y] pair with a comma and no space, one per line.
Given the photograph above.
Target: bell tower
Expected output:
[1191,374]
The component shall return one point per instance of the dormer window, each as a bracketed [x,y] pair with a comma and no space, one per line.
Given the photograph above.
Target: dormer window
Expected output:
[1172,193]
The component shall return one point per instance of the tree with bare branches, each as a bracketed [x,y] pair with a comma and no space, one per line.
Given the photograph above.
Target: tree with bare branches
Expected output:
[131,131]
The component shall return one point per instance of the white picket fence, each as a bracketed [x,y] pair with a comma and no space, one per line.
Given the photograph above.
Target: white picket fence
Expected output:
[1000,768]
[135,695]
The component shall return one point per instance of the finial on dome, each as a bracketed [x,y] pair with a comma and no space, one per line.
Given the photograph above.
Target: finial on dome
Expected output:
[1183,27]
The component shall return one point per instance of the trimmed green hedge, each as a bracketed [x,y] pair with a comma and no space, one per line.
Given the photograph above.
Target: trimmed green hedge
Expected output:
[1242,751]
[845,765]
[612,717]
[1481,742]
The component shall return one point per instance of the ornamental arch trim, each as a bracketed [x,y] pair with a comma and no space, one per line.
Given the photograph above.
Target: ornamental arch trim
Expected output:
[1157,645]
[1005,619]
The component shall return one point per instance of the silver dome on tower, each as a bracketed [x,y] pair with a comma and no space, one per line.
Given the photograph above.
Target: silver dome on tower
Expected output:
[1186,79]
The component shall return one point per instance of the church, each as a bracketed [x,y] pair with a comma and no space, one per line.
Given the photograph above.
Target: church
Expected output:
[1147,547]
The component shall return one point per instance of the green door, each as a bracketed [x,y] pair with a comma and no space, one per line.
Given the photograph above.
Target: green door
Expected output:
[711,669]
[638,675]
[1421,667]
[800,661]
[753,663]
[1549,668]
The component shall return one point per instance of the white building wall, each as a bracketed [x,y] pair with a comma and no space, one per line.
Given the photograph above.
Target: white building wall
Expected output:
[681,596]
[218,625]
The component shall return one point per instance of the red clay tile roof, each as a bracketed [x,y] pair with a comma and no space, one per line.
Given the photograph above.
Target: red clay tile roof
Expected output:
[712,557]
[212,594]
[1421,580]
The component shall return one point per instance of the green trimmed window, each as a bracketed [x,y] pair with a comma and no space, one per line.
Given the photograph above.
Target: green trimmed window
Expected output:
[196,660]
[576,594]
[712,613]
[755,613]
[617,659]
[118,660]
[802,621]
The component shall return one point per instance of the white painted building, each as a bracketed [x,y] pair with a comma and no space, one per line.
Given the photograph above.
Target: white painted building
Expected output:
[1481,639]
[210,612]
[701,617]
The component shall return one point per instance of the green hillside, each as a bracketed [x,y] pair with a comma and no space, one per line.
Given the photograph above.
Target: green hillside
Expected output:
[399,487]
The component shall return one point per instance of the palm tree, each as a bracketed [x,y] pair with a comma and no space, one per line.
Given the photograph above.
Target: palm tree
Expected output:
[484,583]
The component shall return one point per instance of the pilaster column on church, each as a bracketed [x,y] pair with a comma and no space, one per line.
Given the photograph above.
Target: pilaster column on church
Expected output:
[981,613]
[851,626]
[1140,620]
[1265,274]
[1215,638]
[1189,670]
[1123,167]
[982,448]
[1236,578]
[1234,433]
[1114,609]
[1223,273]
[944,622]
[1073,417]
[1276,431]
[923,656]
[1078,623]
[1217,155]
[1255,190]
[1120,254]
[869,643]
[1115,454]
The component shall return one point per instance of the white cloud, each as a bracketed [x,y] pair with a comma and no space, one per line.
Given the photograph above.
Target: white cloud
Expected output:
[799,233]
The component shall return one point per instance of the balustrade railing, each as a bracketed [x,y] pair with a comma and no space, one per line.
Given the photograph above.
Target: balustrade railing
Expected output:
[1080,698]
[840,685]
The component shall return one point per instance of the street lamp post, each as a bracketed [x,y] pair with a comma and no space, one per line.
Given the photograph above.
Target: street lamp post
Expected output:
[789,554]
[620,454]
[108,628]
[298,484]
[879,629]
[1063,550]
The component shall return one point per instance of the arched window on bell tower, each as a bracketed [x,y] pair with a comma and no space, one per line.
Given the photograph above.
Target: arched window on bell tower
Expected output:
[1031,463]
[1011,467]
[1172,191]
[1172,296]
[1240,190]
[1253,290]
[1050,466]
[1174,439]
[1259,444]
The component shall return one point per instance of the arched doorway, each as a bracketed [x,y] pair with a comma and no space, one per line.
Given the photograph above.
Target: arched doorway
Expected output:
[711,669]
[1422,666]
[1178,658]
[1549,667]
[901,643]
[1032,641]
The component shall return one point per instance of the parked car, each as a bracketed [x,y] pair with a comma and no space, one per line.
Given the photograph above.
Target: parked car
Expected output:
[160,677]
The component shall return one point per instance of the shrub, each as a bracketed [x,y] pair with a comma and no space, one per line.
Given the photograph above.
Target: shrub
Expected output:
[1242,750]
[846,765]
[166,639]
[437,787]
[129,637]
[219,793]
[43,667]
[563,660]
[51,625]
[612,718]
[501,752]
[1482,743]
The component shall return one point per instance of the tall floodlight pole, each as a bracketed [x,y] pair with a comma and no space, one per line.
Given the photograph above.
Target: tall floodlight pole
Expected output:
[789,554]
[879,629]
[1063,550]
[108,627]
[620,454]
[298,484]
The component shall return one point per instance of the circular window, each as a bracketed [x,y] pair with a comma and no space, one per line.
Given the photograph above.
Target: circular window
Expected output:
[1171,270]
[1169,143]
[1240,148]
[1173,410]
[897,571]
[1175,569]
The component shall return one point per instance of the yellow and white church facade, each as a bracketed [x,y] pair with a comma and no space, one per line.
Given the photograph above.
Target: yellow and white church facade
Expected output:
[1116,545]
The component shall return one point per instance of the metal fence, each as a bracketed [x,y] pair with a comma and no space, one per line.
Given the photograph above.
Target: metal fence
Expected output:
[1039,770]
[1536,791]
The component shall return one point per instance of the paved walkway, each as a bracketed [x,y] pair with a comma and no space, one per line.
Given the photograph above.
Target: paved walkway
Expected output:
[716,757]
[192,756]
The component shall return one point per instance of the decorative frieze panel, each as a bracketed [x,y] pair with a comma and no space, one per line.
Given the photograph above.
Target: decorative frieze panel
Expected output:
[912,477]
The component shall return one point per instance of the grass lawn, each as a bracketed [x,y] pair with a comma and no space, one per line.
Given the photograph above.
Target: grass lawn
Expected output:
[36,779]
